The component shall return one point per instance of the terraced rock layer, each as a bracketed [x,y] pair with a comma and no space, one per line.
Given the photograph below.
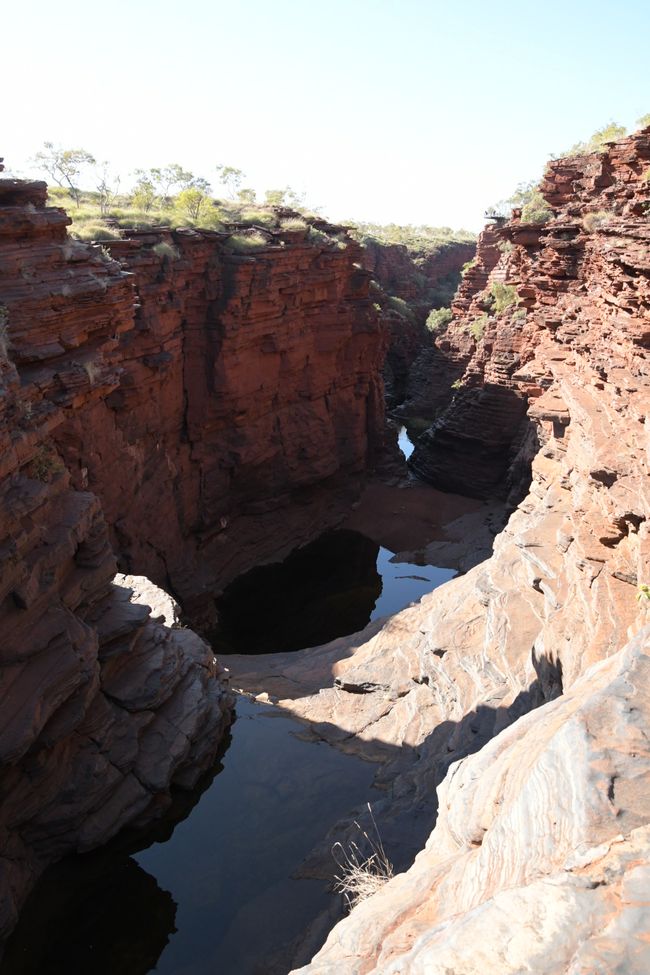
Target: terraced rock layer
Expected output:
[163,412]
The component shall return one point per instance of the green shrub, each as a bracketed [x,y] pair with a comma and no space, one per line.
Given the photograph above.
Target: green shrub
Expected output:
[504,296]
[519,315]
[318,236]
[598,141]
[246,243]
[468,266]
[94,231]
[264,218]
[536,209]
[477,328]
[401,307]
[643,122]
[526,198]
[132,219]
[293,223]
[45,464]
[458,384]
[595,220]
[438,318]
[166,251]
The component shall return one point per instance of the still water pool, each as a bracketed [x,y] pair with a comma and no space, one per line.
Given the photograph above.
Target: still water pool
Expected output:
[211,890]
[330,588]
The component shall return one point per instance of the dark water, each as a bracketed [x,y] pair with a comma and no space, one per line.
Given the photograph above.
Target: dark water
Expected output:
[213,893]
[330,588]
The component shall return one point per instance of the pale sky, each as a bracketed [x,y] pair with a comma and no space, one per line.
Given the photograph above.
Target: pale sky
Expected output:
[405,111]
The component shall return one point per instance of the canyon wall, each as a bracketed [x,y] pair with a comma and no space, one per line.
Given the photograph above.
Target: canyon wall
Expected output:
[176,410]
[424,279]
[520,691]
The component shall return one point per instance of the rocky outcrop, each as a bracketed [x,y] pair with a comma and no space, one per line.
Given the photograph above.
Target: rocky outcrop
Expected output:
[524,682]
[571,292]
[422,277]
[159,413]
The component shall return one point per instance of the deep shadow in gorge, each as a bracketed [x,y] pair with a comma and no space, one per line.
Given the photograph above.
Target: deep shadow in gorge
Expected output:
[100,912]
[475,446]
[103,912]
[324,590]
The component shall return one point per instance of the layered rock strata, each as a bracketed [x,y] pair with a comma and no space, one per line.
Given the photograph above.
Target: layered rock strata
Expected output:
[159,413]
[523,684]
[423,279]
[248,385]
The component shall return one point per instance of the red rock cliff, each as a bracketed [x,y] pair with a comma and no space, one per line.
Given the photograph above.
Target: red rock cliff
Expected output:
[186,412]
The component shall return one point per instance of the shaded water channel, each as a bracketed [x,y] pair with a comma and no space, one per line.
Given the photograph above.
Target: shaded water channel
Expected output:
[213,887]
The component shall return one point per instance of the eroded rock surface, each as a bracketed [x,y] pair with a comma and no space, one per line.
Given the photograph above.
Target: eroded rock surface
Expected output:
[540,859]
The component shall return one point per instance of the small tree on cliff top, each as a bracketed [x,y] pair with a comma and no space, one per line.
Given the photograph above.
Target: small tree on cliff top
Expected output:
[64,166]
[144,194]
[163,180]
[107,188]
[194,200]
[231,178]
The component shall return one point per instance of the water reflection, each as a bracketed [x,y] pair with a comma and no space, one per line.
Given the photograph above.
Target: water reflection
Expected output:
[212,892]
[330,588]
[321,591]
[100,913]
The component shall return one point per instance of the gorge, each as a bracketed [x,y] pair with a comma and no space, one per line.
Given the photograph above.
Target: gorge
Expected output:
[186,413]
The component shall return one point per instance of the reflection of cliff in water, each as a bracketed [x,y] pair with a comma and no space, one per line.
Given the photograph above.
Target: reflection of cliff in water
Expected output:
[322,591]
[110,915]
[100,912]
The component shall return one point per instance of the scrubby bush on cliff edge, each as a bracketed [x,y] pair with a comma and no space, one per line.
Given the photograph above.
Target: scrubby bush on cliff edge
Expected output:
[438,318]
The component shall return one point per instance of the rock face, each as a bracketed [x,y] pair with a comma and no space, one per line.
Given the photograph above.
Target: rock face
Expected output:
[249,384]
[543,301]
[539,858]
[159,413]
[423,279]
[418,277]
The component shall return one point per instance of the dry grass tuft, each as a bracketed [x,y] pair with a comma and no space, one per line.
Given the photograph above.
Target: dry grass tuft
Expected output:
[364,868]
